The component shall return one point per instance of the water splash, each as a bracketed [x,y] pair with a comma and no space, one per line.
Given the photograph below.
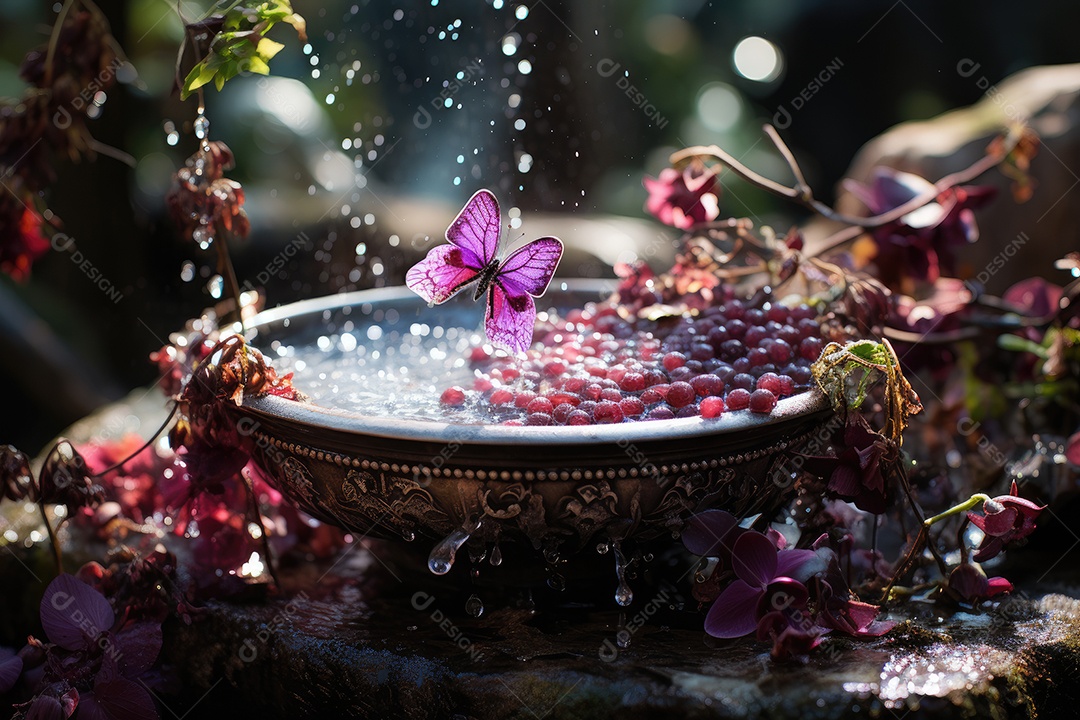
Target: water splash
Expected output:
[623,594]
[474,606]
[442,555]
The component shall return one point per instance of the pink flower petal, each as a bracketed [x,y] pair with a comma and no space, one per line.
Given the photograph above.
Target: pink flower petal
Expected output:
[997,586]
[709,533]
[734,613]
[73,613]
[999,523]
[754,559]
[800,564]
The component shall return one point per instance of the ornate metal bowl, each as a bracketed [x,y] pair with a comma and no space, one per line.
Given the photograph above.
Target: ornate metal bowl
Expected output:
[557,489]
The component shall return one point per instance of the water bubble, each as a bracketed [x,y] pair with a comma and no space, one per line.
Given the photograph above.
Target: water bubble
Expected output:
[216,286]
[474,606]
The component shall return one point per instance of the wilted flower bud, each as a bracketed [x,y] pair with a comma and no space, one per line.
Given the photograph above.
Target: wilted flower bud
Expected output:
[66,480]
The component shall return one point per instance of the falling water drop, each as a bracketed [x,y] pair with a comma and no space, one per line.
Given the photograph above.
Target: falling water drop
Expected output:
[442,555]
[474,606]
[216,286]
[623,594]
[202,127]
[496,555]
[622,638]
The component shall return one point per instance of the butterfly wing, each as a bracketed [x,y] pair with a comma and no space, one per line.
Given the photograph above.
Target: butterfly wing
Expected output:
[525,274]
[529,268]
[476,229]
[510,318]
[445,270]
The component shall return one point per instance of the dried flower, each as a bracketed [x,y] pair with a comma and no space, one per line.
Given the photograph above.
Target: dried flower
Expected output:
[66,480]
[684,199]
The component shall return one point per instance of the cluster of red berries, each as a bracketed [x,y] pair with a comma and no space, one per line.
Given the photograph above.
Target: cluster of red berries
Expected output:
[595,367]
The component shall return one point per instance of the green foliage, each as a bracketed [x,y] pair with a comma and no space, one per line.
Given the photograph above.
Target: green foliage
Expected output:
[241,46]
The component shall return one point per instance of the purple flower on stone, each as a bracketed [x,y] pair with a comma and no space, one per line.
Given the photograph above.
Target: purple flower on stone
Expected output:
[1004,519]
[78,619]
[969,584]
[683,199]
[763,584]
[919,244]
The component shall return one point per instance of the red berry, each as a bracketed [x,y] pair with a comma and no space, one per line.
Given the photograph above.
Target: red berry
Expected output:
[674,360]
[687,411]
[608,412]
[579,417]
[654,377]
[538,419]
[787,386]
[633,382]
[680,394]
[539,405]
[632,407]
[780,352]
[502,396]
[564,398]
[762,401]
[711,407]
[561,413]
[523,398]
[611,395]
[810,348]
[554,367]
[771,382]
[738,399]
[662,412]
[651,396]
[453,396]
[705,385]
[482,384]
[616,373]
[574,384]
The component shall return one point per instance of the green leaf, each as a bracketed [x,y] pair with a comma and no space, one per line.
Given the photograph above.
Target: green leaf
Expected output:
[267,49]
[1019,344]
[201,74]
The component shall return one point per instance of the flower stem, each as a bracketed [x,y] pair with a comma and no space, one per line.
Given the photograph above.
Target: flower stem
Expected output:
[956,509]
[54,38]
[52,538]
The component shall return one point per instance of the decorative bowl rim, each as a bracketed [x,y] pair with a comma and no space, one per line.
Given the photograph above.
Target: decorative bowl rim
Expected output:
[316,417]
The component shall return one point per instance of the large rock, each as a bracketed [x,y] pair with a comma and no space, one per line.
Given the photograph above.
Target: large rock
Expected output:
[1027,236]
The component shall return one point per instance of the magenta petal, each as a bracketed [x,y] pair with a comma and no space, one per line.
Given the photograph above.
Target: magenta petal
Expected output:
[781,594]
[999,523]
[705,533]
[998,585]
[799,564]
[45,707]
[124,699]
[754,559]
[734,613]
[1072,449]
[138,645]
[10,670]
[989,548]
[845,481]
[73,613]
[863,615]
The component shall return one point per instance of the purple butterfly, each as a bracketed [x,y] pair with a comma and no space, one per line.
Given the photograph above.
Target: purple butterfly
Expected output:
[472,256]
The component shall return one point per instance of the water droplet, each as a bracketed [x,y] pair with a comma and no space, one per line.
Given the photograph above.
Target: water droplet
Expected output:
[216,286]
[442,555]
[602,548]
[556,582]
[474,606]
[622,638]
[623,594]
[202,127]
[496,555]
[408,535]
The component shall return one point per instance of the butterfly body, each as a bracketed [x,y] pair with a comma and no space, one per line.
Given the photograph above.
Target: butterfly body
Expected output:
[472,256]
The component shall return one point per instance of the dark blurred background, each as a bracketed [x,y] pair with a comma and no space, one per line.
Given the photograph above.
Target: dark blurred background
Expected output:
[368,139]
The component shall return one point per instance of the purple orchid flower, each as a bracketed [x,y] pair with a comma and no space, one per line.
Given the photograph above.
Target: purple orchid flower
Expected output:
[683,199]
[1004,519]
[763,584]
[920,243]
